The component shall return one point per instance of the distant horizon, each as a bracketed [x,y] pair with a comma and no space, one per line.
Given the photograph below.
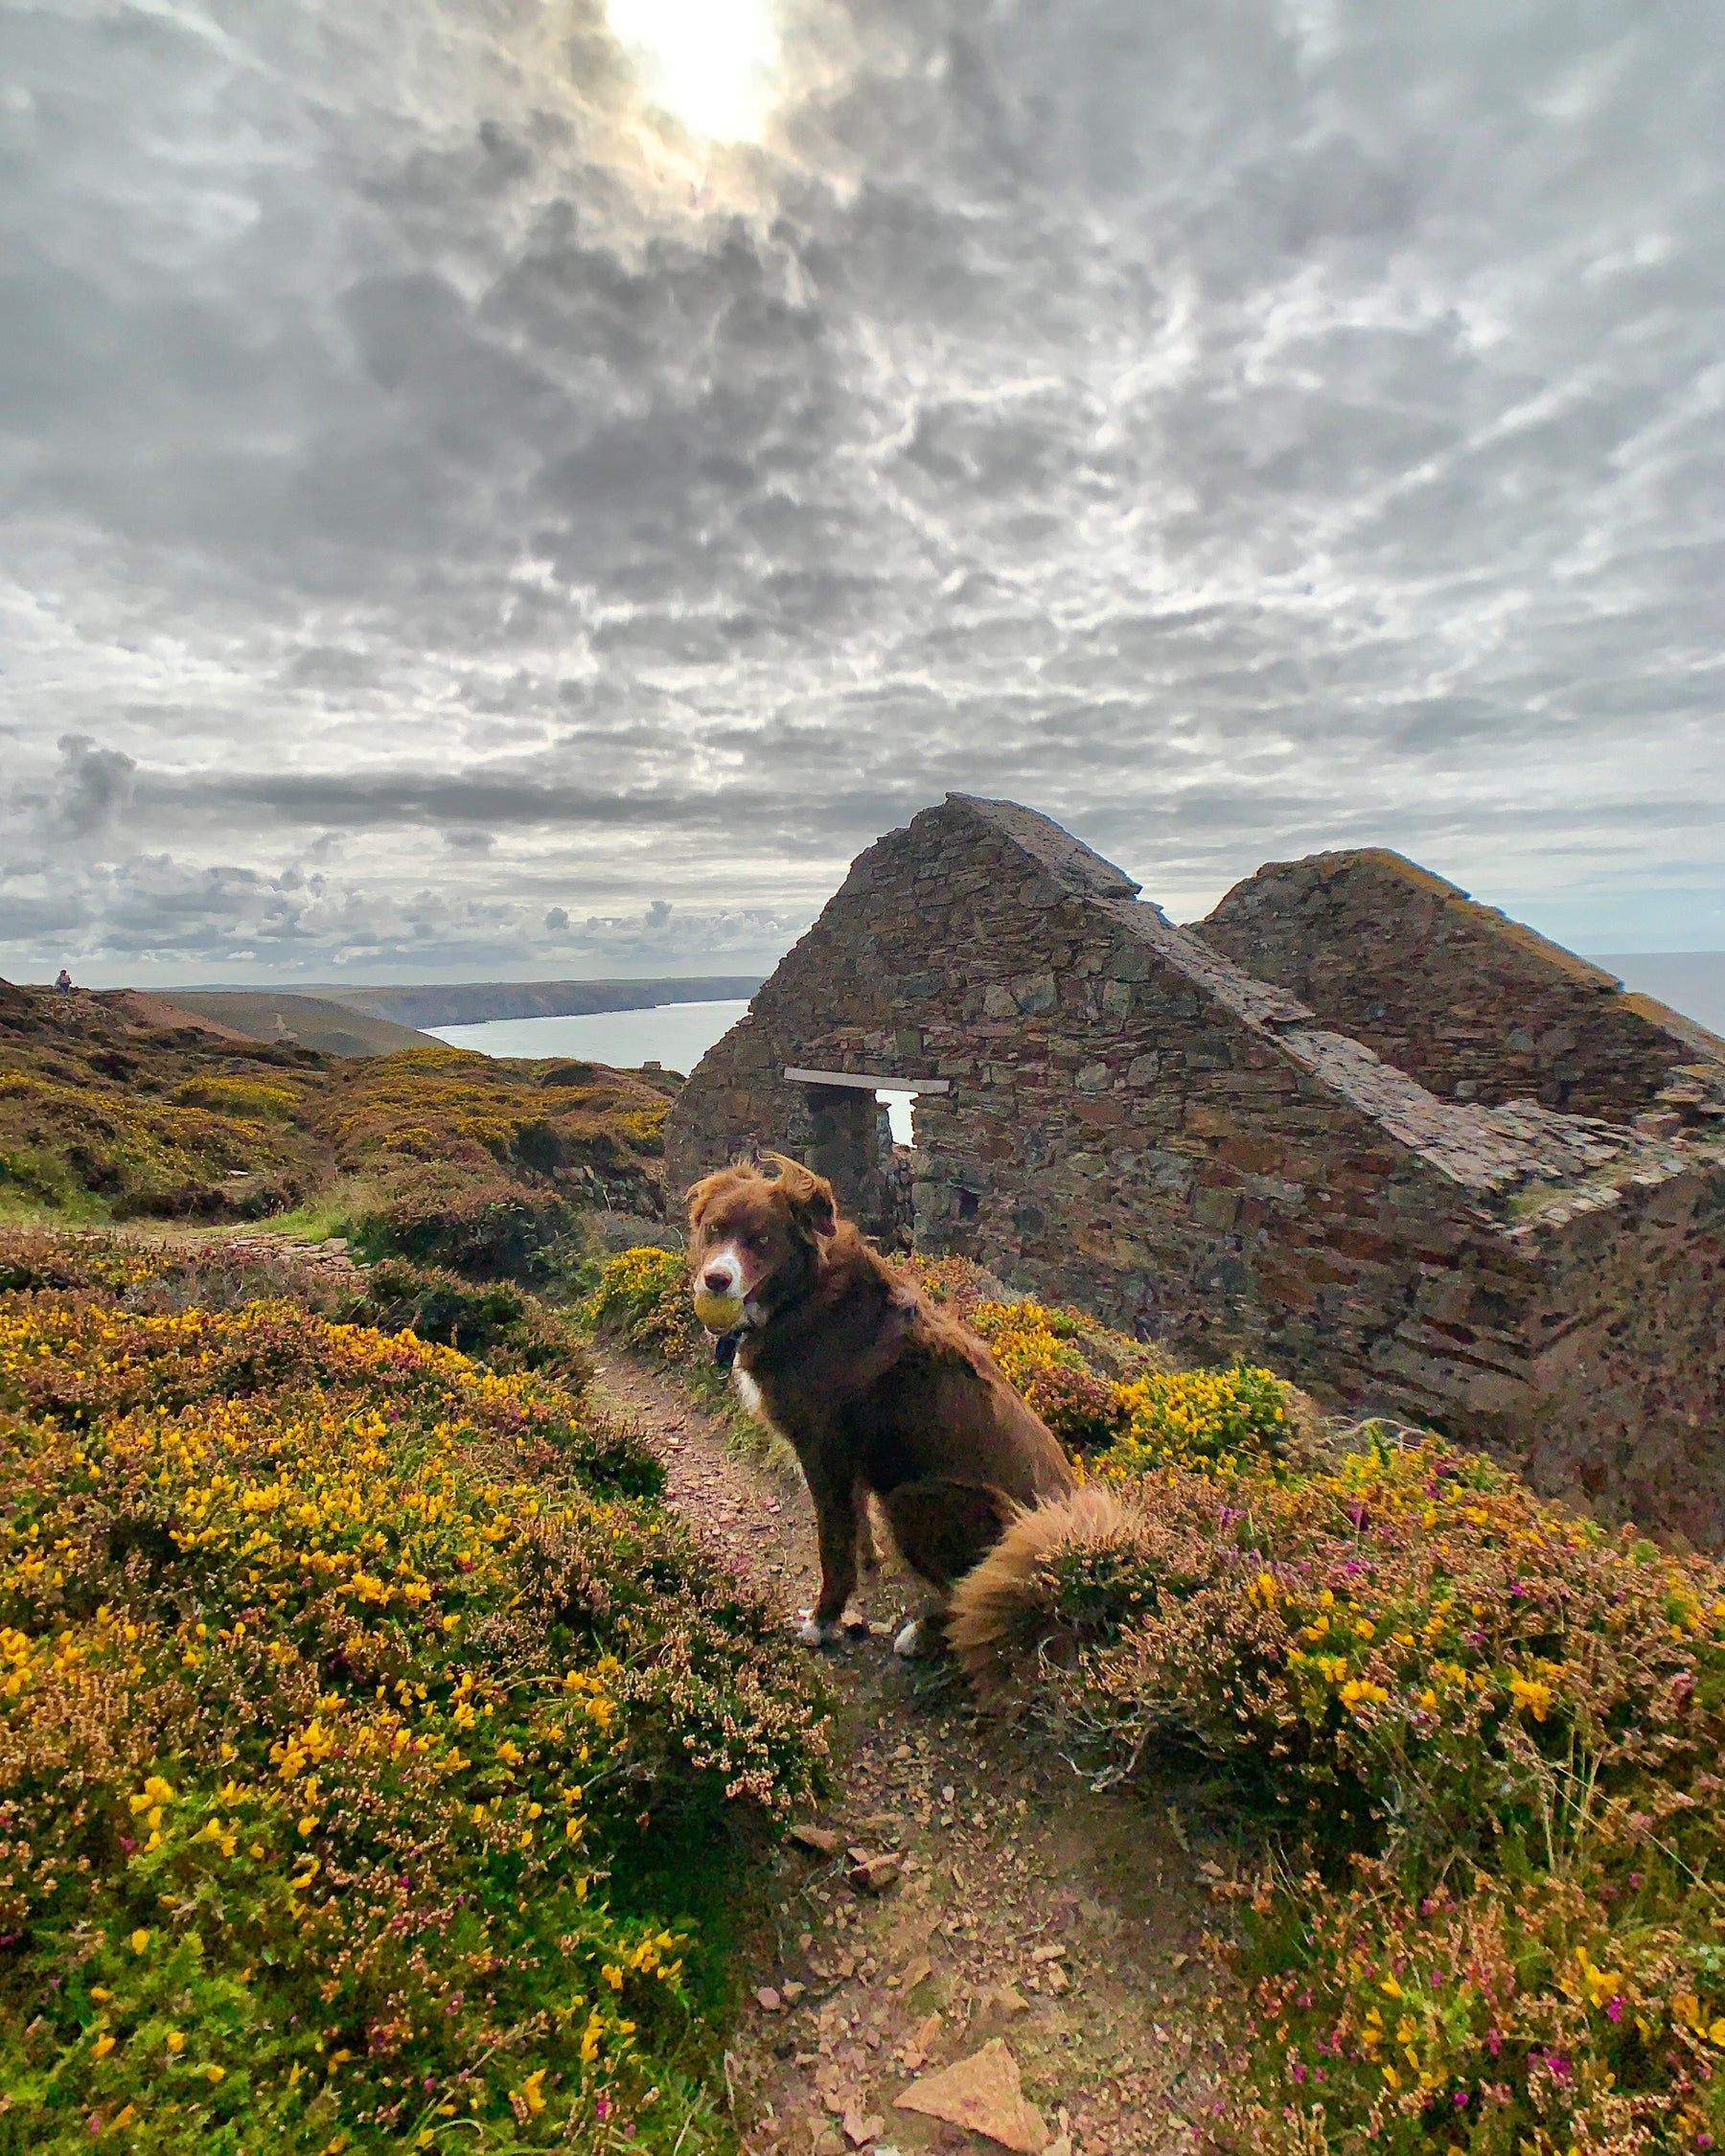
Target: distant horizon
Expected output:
[452,977]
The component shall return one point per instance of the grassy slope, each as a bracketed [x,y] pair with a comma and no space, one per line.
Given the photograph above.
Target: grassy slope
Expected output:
[435,1152]
[315,1022]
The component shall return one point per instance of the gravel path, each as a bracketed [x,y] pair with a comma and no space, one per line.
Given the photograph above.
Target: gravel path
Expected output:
[1021,1906]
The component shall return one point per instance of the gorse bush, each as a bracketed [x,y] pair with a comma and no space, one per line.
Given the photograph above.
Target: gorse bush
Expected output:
[364,1744]
[493,1319]
[643,1296]
[1065,1365]
[1210,1420]
[251,1098]
[62,1143]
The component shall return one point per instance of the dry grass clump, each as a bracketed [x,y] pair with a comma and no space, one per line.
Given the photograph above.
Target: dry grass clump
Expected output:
[366,1753]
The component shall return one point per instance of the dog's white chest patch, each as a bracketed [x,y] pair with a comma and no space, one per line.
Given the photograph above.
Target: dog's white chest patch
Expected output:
[747,1391]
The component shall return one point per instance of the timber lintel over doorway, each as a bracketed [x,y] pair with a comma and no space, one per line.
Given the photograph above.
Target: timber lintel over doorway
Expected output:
[873,1082]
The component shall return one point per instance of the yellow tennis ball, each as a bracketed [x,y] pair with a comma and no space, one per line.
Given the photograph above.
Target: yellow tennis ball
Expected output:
[718,1313]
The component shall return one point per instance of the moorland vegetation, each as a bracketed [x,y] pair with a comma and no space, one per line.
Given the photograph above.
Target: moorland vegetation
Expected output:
[380,1765]
[1471,1748]
[437,1154]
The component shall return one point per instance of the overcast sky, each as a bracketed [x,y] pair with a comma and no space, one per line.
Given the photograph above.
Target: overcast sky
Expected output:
[490,487]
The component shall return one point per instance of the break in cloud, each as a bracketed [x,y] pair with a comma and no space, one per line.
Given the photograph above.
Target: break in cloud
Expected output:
[454,518]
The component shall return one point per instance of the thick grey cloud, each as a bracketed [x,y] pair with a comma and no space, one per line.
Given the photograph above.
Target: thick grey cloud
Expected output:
[453,517]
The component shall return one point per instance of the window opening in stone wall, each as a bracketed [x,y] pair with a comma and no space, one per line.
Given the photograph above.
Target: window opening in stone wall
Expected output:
[897,1112]
[901,1113]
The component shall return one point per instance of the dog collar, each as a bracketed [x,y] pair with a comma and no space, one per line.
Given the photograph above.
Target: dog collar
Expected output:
[725,1346]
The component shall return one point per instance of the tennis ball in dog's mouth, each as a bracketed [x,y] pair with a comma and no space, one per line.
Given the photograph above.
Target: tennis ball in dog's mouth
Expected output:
[718,1313]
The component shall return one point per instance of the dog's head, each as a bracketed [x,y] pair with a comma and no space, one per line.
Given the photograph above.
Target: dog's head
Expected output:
[760,1238]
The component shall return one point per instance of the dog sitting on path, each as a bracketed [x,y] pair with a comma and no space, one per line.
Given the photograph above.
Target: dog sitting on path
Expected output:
[878,1393]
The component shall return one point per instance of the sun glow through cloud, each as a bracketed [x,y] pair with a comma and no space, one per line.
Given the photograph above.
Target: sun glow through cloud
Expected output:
[709,63]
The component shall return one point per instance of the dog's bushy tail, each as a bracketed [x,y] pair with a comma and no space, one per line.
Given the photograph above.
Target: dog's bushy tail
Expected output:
[1003,1615]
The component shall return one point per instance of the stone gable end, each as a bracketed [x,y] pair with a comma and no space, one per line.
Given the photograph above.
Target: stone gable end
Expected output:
[1471,1004]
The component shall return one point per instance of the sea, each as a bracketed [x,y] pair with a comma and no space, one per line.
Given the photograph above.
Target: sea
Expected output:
[1690,981]
[673,1035]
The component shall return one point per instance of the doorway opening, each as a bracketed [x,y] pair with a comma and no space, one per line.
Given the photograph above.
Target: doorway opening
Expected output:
[854,1122]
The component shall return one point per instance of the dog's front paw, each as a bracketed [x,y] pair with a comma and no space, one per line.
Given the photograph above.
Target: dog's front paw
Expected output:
[813,1632]
[910,1639]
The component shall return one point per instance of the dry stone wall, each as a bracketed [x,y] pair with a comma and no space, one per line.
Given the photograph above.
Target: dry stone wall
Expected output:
[1469,1002]
[1138,1126]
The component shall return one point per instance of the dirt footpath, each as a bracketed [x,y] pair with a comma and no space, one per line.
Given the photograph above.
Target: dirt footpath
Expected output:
[1020,1906]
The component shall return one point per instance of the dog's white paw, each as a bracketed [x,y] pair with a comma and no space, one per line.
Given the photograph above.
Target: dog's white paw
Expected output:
[814,1634]
[910,1642]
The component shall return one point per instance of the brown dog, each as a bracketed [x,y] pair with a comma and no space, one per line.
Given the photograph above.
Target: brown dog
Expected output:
[876,1390]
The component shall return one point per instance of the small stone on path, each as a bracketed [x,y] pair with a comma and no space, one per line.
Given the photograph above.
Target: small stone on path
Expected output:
[982,2093]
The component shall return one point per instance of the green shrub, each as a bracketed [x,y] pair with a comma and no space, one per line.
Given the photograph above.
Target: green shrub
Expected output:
[495,1321]
[479,1226]
[643,1297]
[63,1139]
[254,1099]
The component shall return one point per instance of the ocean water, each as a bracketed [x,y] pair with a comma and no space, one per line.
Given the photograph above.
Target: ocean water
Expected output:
[677,1035]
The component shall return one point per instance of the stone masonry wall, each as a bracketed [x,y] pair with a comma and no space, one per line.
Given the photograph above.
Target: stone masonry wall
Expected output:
[1630,1399]
[1137,1127]
[1470,1003]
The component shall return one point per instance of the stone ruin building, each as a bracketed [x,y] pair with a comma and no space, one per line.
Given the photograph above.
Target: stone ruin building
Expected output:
[1400,1148]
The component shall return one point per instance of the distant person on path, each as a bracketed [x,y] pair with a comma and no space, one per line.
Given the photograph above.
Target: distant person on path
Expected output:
[63,981]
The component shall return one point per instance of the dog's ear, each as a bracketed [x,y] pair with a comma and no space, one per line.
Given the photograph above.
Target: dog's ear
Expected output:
[810,1197]
[698,1197]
